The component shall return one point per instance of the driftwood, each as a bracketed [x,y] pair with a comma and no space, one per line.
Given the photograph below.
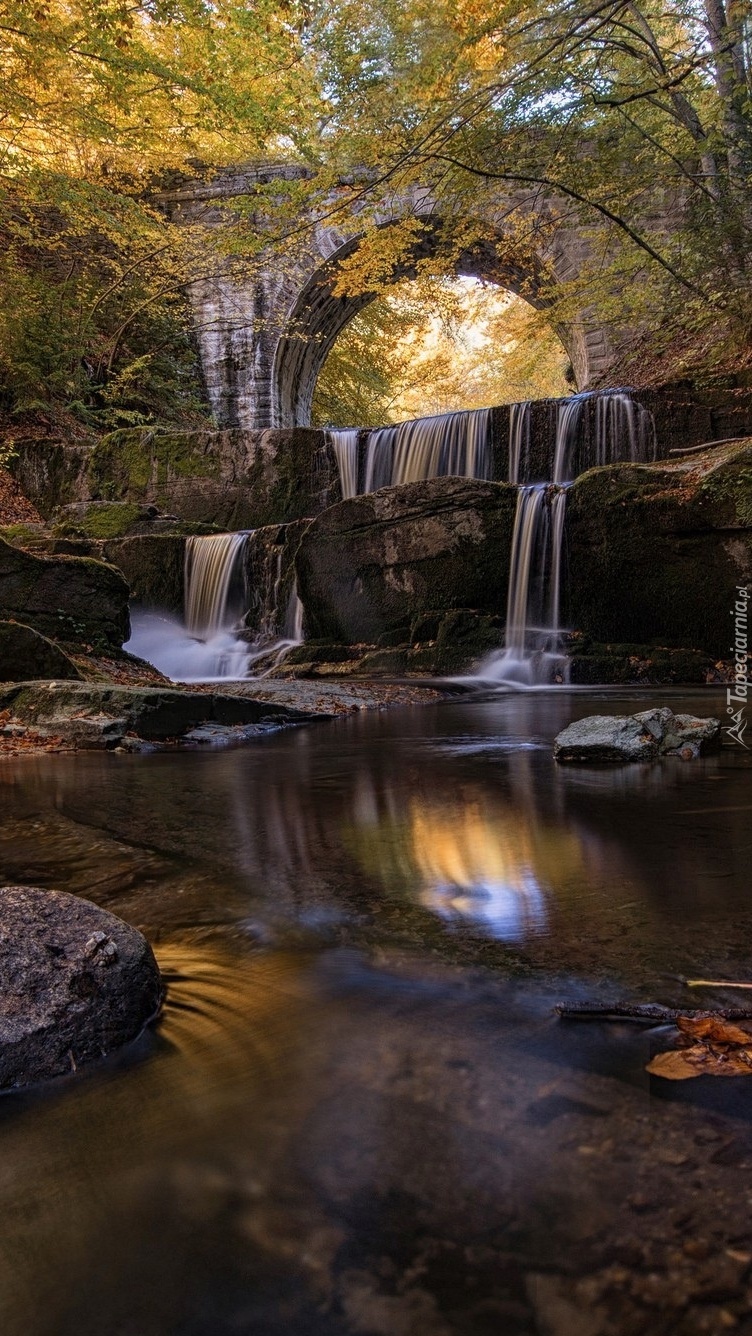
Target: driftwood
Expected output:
[643,1013]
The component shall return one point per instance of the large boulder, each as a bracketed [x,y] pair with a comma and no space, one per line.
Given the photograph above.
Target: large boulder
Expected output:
[25,654]
[372,564]
[637,737]
[75,983]
[69,598]
[656,552]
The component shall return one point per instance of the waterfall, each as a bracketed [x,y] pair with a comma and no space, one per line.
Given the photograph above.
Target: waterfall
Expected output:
[293,627]
[623,430]
[451,444]
[568,421]
[616,429]
[532,651]
[454,444]
[379,458]
[519,440]
[344,443]
[208,645]
[209,566]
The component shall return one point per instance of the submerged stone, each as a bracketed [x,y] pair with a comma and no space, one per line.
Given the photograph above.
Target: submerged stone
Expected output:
[75,984]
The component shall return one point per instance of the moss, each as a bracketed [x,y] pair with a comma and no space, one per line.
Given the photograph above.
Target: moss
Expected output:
[656,565]
[727,491]
[126,463]
[102,521]
[24,535]
[639,665]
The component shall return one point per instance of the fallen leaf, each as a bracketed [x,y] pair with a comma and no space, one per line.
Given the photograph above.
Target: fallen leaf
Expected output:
[713,1030]
[682,1063]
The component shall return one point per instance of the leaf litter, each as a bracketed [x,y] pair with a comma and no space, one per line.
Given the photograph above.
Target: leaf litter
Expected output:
[712,1047]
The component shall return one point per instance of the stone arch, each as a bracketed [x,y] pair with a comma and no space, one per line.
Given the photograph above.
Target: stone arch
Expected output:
[264,337]
[317,317]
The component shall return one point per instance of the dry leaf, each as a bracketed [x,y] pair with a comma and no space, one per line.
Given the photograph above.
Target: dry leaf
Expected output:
[713,1030]
[724,1050]
[681,1063]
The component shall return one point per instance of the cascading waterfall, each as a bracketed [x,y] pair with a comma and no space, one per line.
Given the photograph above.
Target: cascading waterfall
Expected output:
[207,645]
[209,567]
[533,653]
[519,440]
[344,443]
[451,444]
[623,430]
[380,446]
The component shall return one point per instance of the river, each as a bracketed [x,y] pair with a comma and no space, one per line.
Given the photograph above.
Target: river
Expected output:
[358,1113]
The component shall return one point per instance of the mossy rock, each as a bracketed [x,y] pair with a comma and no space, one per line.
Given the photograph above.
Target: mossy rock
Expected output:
[371,565]
[153,566]
[126,464]
[72,599]
[100,519]
[30,536]
[655,554]
[639,665]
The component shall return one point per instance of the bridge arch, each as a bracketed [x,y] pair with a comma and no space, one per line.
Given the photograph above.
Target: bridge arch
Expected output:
[317,316]
[264,336]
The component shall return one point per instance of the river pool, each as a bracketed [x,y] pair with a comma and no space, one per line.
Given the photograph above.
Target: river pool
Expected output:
[358,1113]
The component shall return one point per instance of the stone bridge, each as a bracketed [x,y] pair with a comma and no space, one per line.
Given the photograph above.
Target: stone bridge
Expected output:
[264,331]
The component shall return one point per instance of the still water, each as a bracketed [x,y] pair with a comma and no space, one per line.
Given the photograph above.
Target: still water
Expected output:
[358,1114]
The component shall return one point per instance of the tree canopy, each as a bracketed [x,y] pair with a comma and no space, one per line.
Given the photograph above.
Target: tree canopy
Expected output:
[633,117]
[630,118]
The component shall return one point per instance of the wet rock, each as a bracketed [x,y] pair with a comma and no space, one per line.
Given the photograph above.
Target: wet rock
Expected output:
[94,717]
[26,654]
[74,599]
[374,564]
[656,552]
[637,737]
[685,732]
[606,737]
[75,984]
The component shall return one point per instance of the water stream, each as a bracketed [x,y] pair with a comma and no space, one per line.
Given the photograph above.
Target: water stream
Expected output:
[450,444]
[358,1113]
[534,652]
[207,645]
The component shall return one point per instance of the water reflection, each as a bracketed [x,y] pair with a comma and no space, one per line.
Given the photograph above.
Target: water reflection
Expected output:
[465,861]
[430,821]
[319,1143]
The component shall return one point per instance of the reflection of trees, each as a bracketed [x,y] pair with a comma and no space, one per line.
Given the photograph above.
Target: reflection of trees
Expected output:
[466,853]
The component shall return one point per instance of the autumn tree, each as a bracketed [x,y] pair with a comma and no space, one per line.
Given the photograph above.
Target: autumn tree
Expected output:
[633,117]
[434,345]
[102,103]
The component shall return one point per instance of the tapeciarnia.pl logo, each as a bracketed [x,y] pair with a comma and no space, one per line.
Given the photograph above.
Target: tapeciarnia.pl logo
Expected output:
[736,697]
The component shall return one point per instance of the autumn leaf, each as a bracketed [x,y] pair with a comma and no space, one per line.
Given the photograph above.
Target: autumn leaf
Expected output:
[723,1050]
[715,1031]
